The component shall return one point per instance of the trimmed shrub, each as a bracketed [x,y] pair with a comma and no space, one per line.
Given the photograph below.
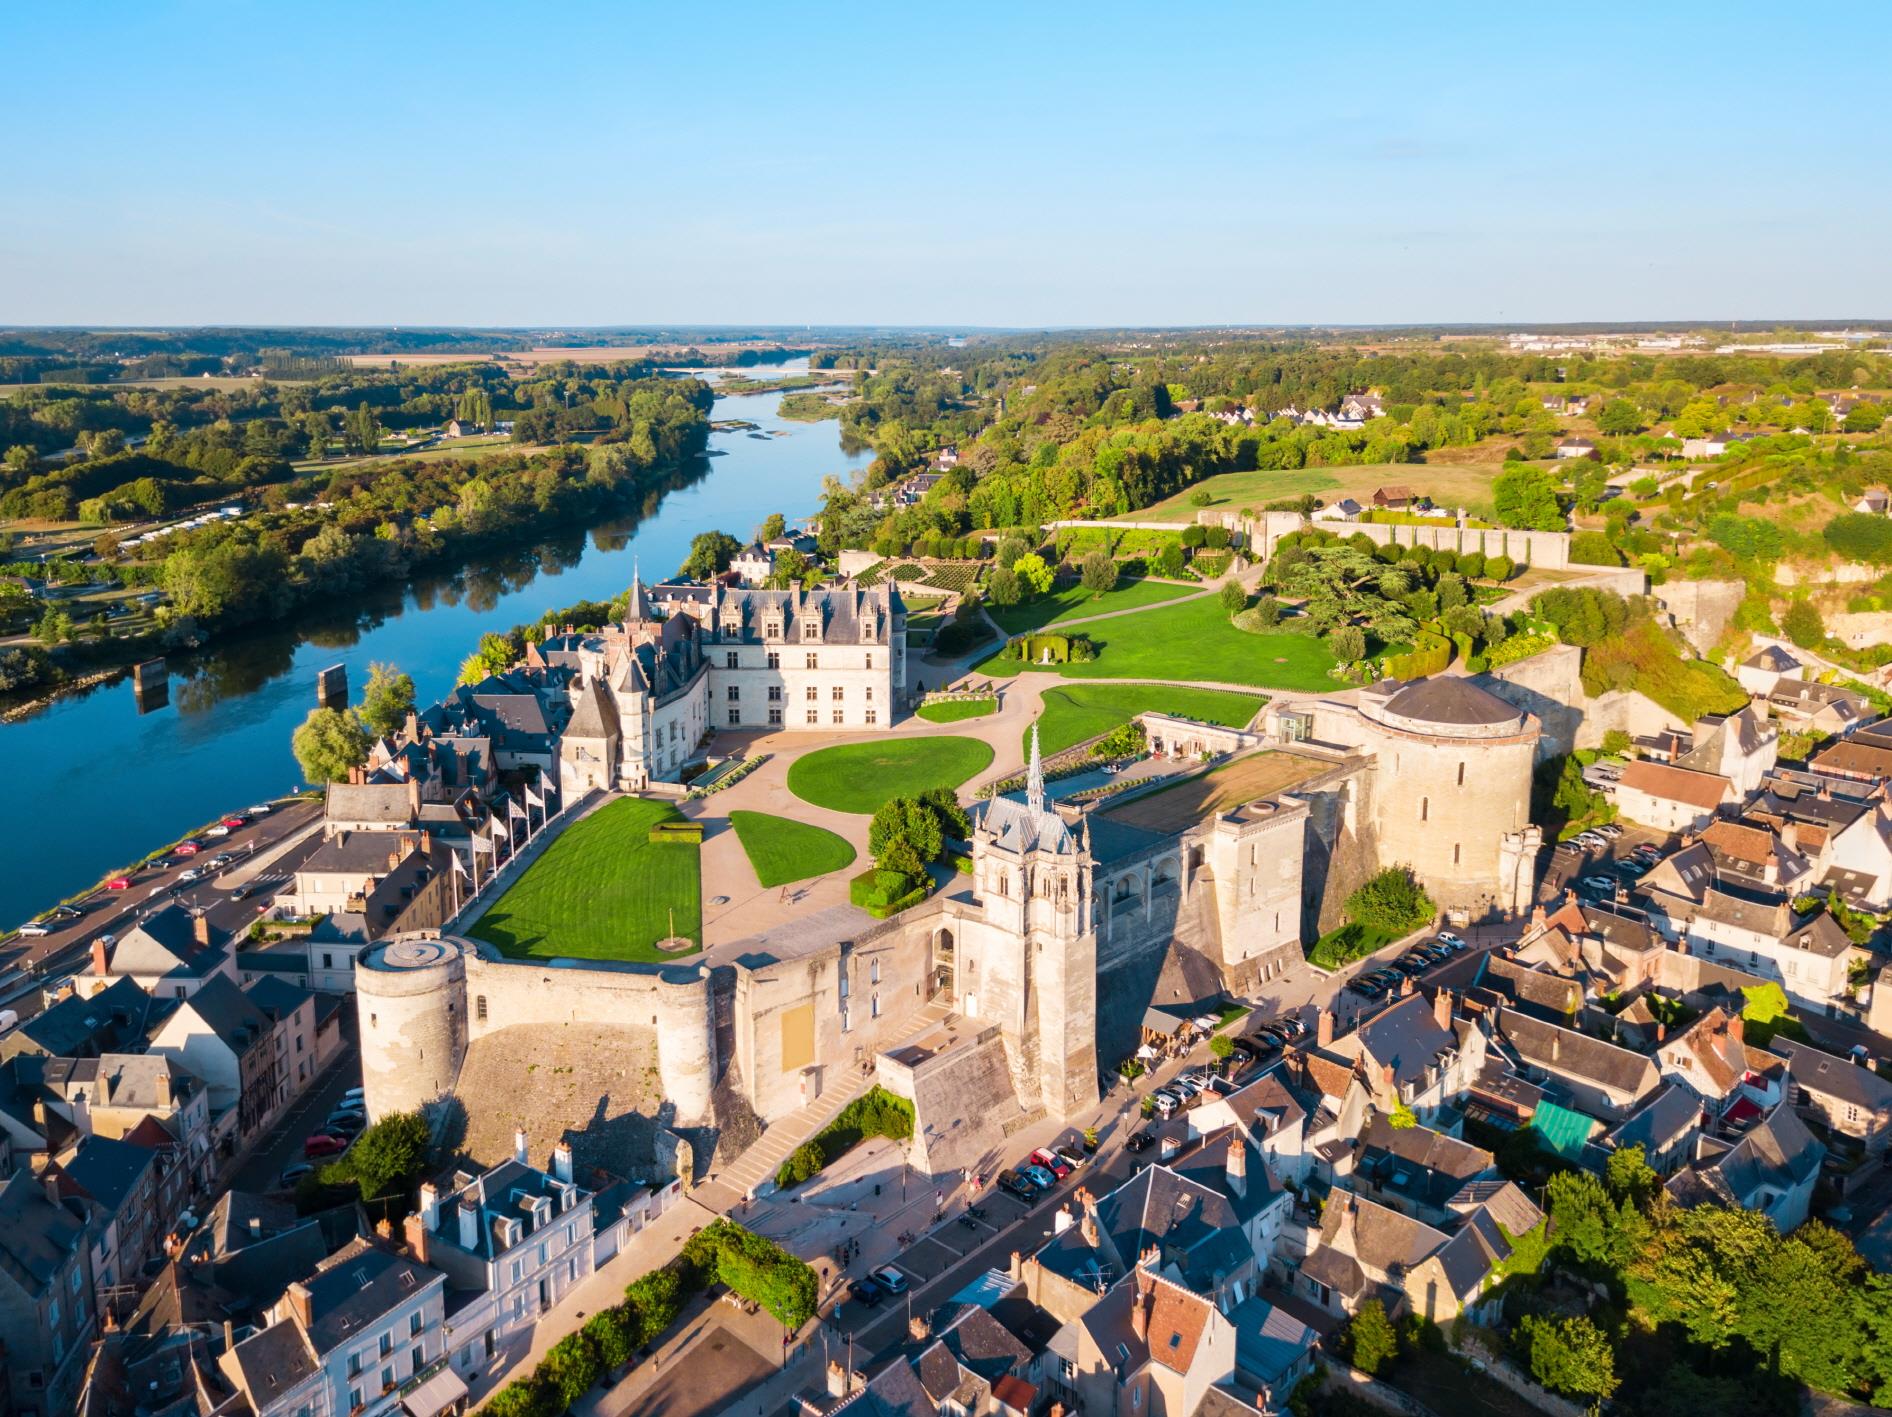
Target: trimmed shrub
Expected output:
[756,1269]
[803,1162]
[683,832]
[884,893]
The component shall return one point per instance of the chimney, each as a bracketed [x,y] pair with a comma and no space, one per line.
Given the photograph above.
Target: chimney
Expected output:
[414,1231]
[469,1225]
[100,963]
[520,1153]
[1556,1043]
[1737,1028]
[200,929]
[1167,1148]
[430,1205]
[384,1228]
[1538,918]
[1061,1220]
[1386,1076]
[1087,1215]
[562,1162]
[1015,1266]
[1405,985]
[1238,1166]
[917,1328]
[297,1296]
[50,1179]
[1662,1032]
[1790,835]
[1140,1313]
[164,1089]
[413,798]
[427,844]
[1324,1028]
[1442,1009]
[841,1381]
[413,726]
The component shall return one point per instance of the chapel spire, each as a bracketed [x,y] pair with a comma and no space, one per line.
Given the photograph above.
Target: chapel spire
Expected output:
[1035,776]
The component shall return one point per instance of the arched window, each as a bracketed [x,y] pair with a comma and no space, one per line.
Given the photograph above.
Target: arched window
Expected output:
[1461,774]
[1425,807]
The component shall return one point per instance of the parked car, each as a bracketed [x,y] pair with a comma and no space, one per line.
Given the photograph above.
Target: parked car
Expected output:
[188,848]
[1019,1185]
[261,811]
[1052,1162]
[1071,1159]
[1040,1177]
[345,1124]
[357,1095]
[1599,883]
[322,1144]
[865,1291]
[234,822]
[185,878]
[64,912]
[1451,941]
[1364,987]
[294,1173]
[118,883]
[1611,830]
[889,1278]
[1167,1104]
[1141,1141]
[220,830]
[1293,1025]
[35,928]
[1257,1045]
[1631,867]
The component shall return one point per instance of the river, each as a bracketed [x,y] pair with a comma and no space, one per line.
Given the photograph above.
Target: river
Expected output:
[94,784]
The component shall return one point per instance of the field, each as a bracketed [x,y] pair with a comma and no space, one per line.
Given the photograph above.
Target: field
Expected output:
[1170,809]
[858,777]
[1190,641]
[1075,712]
[781,851]
[1449,484]
[1074,603]
[957,710]
[602,890]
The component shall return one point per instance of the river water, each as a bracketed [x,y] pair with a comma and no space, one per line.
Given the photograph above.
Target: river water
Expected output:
[93,784]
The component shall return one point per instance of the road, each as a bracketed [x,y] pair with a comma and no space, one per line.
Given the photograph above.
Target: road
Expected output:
[280,841]
[282,1145]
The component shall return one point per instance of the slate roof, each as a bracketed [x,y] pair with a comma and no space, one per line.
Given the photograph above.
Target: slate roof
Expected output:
[106,1170]
[37,1237]
[227,1012]
[364,852]
[1777,1153]
[1269,1340]
[1668,1113]
[355,1287]
[274,1361]
[167,943]
[1405,1035]
[277,998]
[594,714]
[1822,1073]
[75,1026]
[1565,1051]
[1013,825]
[1417,1163]
[1450,700]
[390,802]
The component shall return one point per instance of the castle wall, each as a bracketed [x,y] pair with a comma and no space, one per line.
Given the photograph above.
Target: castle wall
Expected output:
[1550,686]
[1443,806]
[1549,550]
[410,998]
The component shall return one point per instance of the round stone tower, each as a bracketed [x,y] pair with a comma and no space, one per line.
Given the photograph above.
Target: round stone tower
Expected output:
[686,1054]
[410,1000]
[1452,781]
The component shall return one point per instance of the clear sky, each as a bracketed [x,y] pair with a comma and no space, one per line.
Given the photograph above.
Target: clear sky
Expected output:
[1015,164]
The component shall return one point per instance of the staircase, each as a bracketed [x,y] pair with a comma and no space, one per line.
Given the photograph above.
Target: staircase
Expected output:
[758,1165]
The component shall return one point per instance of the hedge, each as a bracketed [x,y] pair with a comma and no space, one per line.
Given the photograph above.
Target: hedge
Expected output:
[756,1269]
[1430,655]
[676,832]
[884,893]
[875,1113]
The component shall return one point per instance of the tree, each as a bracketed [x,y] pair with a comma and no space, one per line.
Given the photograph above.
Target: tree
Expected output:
[1004,587]
[1619,418]
[1864,418]
[495,654]
[1590,1227]
[386,699]
[1570,1356]
[774,526]
[710,555]
[944,803]
[569,1369]
[1498,568]
[1371,1342]
[1803,624]
[1234,598]
[54,627]
[1526,497]
[1347,643]
[1010,549]
[387,1158]
[1221,1046]
[1392,901]
[1099,573]
[1629,1177]
[22,461]
[1169,561]
[1033,573]
[329,743]
[1201,498]
[904,836]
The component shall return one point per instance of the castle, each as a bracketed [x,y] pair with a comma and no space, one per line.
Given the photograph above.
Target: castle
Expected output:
[688,659]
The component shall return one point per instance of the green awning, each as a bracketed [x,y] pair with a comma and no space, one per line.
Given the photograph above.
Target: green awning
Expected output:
[1563,1131]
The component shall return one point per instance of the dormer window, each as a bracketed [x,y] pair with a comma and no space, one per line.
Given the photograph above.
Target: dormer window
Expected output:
[811,629]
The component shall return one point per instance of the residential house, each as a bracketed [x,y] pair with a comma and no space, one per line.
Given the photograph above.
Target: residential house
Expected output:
[1671,799]
[1666,1126]
[115,1094]
[1712,1059]
[1568,448]
[1742,747]
[1344,510]
[1772,1169]
[1392,499]
[1409,1053]
[1818,708]
[1848,839]
[1811,957]
[1844,1095]
[1268,1112]
[231,1044]
[1147,1346]
[1865,763]
[1363,407]
[1765,668]
[1415,1169]
[362,1335]
[118,1182]
[1274,1350]
[1751,856]
[83,1026]
[753,564]
[1597,1078]
[291,1011]
[1873,502]
[47,1312]
[170,955]
[512,1243]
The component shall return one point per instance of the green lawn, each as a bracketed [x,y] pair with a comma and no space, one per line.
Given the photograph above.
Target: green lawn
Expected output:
[1451,485]
[781,850]
[957,710]
[858,777]
[1193,640]
[602,890]
[1074,602]
[1079,711]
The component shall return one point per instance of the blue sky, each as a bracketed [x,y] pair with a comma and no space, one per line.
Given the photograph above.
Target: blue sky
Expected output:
[968,164]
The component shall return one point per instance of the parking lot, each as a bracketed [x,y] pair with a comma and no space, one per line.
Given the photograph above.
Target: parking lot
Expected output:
[1574,862]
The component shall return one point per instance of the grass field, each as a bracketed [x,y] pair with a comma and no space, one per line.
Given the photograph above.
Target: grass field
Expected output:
[781,850]
[1170,809]
[1449,484]
[1078,711]
[957,710]
[1192,641]
[858,777]
[602,890]
[1074,602]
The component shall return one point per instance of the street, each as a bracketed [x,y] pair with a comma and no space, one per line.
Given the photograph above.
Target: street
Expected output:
[282,1145]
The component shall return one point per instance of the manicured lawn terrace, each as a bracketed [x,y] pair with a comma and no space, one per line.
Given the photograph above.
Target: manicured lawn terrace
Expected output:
[781,850]
[1075,712]
[1451,485]
[858,777]
[1191,641]
[1074,602]
[602,890]
[957,710]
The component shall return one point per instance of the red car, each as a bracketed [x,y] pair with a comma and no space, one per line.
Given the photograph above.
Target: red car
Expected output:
[1052,1162]
[189,848]
[322,1144]
[118,883]
[234,822]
